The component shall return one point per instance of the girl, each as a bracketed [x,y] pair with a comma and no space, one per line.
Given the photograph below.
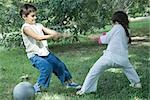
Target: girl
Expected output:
[116,54]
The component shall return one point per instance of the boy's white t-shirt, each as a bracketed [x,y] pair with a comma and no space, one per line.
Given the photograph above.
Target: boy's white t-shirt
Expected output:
[117,49]
[33,46]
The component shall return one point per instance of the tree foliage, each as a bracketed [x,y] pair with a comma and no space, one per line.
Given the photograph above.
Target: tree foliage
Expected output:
[77,16]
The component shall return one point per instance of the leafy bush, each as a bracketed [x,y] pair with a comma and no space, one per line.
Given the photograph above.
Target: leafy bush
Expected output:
[12,40]
[79,16]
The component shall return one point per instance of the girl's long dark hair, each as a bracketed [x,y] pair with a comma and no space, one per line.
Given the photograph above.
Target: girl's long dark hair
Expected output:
[122,19]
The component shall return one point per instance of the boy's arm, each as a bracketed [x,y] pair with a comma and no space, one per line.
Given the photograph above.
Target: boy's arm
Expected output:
[28,31]
[49,31]
[54,33]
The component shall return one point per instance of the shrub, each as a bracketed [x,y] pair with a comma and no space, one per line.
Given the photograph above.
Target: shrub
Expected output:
[11,40]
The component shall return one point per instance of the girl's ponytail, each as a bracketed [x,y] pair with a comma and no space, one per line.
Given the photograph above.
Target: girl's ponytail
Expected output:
[122,19]
[127,32]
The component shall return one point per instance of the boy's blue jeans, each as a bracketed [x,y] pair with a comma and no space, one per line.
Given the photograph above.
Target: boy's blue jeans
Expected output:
[48,64]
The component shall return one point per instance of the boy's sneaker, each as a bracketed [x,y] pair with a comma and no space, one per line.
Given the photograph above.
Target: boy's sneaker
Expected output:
[37,88]
[136,85]
[73,85]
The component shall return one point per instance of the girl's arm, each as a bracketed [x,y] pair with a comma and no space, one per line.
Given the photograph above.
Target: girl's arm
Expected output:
[94,37]
[106,36]
[101,39]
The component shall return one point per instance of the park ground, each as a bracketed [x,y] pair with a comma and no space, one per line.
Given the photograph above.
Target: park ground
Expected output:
[79,57]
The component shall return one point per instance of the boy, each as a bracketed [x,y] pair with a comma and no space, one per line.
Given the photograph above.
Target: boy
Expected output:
[36,47]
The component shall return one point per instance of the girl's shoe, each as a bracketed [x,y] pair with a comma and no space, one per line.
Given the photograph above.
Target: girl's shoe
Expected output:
[136,85]
[80,92]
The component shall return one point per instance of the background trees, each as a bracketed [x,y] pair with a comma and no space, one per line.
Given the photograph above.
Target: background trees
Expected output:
[75,16]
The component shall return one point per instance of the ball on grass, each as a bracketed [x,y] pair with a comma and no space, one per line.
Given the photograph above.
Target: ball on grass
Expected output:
[23,91]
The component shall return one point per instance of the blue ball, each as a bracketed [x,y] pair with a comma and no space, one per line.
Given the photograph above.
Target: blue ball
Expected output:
[24,91]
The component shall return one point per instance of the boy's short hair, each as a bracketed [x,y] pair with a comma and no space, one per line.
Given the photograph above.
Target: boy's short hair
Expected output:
[26,9]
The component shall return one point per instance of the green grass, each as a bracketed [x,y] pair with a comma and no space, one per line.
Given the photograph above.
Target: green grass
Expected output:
[138,28]
[79,58]
[112,85]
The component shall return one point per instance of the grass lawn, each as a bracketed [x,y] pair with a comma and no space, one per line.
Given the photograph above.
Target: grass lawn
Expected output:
[138,28]
[112,85]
